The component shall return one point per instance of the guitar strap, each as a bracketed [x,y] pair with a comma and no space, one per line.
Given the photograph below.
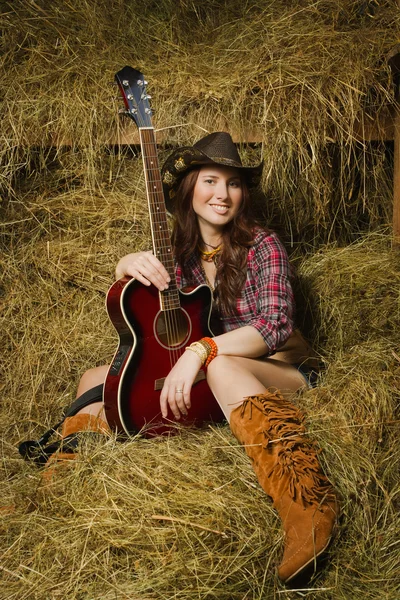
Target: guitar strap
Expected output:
[38,451]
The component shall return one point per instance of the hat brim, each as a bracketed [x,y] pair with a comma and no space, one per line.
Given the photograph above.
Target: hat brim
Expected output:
[186,158]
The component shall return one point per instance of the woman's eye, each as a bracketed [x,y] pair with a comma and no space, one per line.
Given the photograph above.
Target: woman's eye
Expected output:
[235,184]
[209,180]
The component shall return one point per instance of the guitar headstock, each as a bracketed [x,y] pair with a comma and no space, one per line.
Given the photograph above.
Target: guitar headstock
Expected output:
[132,86]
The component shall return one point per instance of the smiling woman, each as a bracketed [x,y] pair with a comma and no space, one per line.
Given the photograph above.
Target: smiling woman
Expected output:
[251,361]
[216,200]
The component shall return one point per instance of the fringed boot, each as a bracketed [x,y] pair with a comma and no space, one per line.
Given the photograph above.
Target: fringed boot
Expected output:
[286,464]
[71,433]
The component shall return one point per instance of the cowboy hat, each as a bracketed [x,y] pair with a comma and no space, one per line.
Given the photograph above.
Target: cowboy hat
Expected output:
[216,148]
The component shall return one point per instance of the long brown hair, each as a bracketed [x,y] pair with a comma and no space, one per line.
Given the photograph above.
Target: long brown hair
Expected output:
[237,237]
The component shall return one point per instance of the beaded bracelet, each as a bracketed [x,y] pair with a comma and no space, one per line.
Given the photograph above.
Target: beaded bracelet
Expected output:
[200,350]
[206,349]
[213,352]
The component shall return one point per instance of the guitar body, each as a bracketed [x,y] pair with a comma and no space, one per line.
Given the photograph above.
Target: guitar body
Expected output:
[150,342]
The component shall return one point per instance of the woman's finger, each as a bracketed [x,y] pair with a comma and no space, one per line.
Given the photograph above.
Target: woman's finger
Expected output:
[180,401]
[168,401]
[164,405]
[186,396]
[146,271]
[174,407]
[186,399]
[157,264]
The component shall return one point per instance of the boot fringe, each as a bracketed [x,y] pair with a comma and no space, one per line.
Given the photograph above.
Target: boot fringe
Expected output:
[296,456]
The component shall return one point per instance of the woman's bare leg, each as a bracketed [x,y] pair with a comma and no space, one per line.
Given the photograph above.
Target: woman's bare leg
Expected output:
[233,378]
[90,379]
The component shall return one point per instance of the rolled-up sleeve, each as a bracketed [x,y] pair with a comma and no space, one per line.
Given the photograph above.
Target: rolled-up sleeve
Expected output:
[268,288]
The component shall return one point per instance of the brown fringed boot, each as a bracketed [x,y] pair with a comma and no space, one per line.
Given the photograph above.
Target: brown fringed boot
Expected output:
[71,429]
[286,464]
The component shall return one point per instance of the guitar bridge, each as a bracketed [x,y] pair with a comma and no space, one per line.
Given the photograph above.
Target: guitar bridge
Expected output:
[159,383]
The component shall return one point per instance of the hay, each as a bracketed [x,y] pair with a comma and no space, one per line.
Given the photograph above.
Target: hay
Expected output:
[305,78]
[141,531]
[184,517]
[352,294]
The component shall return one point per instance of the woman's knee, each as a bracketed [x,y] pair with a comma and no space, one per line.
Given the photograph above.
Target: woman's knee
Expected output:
[91,378]
[222,365]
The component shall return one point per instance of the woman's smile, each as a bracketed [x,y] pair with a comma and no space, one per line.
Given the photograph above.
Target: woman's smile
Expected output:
[217,195]
[221,209]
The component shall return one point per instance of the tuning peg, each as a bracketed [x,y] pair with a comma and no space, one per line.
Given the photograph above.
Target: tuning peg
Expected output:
[125,83]
[148,111]
[123,111]
[141,82]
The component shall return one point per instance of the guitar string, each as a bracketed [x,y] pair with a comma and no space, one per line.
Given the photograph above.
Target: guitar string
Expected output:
[170,325]
[156,198]
[171,315]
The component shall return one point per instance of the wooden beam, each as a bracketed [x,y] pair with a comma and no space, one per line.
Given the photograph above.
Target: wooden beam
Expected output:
[396,180]
[393,59]
[381,129]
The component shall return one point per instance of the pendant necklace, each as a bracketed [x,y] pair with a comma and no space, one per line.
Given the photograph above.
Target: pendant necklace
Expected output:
[209,255]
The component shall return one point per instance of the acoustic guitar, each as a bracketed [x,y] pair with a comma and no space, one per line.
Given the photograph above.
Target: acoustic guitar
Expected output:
[154,327]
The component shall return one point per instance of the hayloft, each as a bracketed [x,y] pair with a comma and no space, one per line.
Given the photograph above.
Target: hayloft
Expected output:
[305,85]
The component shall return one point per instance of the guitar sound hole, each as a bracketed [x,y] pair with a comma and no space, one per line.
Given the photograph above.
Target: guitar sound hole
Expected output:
[172,327]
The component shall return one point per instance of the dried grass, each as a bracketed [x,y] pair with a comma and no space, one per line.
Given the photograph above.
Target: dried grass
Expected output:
[184,517]
[303,77]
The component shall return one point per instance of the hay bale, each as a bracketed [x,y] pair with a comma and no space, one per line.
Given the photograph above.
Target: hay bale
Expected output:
[184,517]
[305,78]
[350,295]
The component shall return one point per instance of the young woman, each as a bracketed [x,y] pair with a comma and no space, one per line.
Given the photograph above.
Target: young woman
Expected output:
[258,360]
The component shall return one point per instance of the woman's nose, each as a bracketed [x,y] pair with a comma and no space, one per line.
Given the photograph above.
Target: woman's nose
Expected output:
[222,191]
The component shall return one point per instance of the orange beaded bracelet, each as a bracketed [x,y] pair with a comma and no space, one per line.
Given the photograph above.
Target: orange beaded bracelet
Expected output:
[213,349]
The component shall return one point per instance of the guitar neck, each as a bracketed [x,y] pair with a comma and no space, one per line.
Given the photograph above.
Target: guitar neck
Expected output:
[162,247]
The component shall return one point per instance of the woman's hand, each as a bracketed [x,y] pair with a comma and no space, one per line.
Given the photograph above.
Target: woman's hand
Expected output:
[144,267]
[178,384]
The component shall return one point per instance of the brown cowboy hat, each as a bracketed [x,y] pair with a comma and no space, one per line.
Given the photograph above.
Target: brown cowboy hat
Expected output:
[216,148]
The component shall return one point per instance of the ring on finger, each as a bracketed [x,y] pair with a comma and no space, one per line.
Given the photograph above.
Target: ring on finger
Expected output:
[179,391]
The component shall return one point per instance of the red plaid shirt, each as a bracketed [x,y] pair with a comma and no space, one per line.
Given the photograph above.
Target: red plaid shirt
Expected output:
[266,301]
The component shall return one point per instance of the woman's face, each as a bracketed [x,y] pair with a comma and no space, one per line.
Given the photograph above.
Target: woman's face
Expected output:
[217,196]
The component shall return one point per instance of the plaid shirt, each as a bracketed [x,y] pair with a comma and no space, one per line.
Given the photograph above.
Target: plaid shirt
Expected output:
[266,301]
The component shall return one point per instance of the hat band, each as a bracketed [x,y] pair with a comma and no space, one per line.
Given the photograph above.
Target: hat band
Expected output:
[226,161]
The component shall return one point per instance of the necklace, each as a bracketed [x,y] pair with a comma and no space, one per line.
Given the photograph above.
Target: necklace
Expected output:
[209,256]
[208,282]
[210,245]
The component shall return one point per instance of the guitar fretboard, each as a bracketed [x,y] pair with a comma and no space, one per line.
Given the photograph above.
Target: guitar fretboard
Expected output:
[162,247]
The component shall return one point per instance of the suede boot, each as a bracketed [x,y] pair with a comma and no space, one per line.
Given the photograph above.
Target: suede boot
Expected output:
[70,431]
[286,464]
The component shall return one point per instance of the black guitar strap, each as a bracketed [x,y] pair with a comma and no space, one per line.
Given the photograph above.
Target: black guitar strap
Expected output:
[38,451]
